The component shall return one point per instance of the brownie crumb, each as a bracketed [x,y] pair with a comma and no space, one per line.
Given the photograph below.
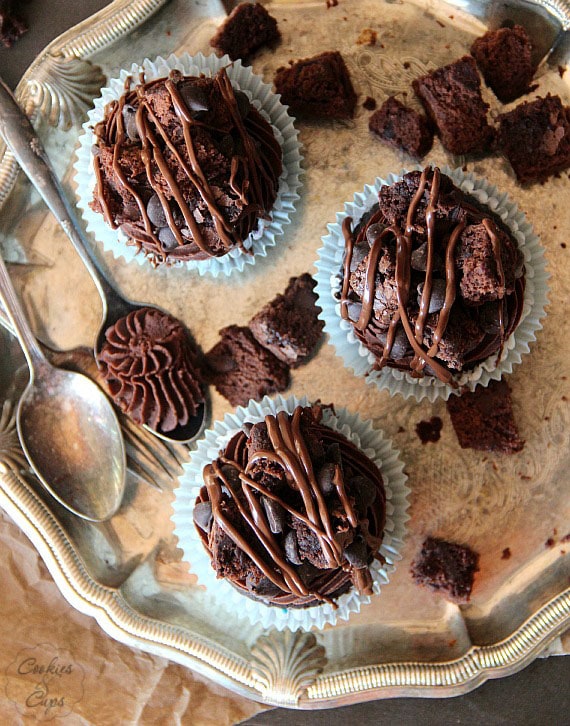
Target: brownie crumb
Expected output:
[550,542]
[332,4]
[561,71]
[369,103]
[506,554]
[317,87]
[288,326]
[429,431]
[402,128]
[248,27]
[566,538]
[12,25]
[504,57]
[241,369]
[446,567]
[451,96]
[535,138]
[367,37]
[483,419]
[563,245]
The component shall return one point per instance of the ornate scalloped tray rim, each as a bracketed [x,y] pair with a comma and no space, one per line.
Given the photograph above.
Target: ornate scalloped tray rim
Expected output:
[298,682]
[254,680]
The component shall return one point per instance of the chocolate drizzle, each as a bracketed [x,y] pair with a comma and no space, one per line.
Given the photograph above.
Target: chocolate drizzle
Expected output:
[330,518]
[424,324]
[197,150]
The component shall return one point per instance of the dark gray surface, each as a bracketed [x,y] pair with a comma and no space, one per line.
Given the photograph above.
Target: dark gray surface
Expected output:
[538,695]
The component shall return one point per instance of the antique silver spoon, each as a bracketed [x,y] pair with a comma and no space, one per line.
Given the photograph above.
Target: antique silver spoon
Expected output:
[24,143]
[67,427]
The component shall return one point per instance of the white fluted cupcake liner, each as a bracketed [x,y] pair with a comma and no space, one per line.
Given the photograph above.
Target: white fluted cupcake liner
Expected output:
[262,98]
[361,360]
[229,600]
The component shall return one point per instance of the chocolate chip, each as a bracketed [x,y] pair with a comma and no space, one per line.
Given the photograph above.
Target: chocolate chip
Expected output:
[333,453]
[291,548]
[363,490]
[437,297]
[276,515]
[156,212]
[354,309]
[231,475]
[489,318]
[261,586]
[358,254]
[418,259]
[167,239]
[325,477]
[194,97]
[202,516]
[401,345]
[227,145]
[357,553]
[373,232]
[308,572]
[243,103]
[129,119]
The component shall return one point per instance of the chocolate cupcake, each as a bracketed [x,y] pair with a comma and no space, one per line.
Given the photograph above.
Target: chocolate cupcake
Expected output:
[292,512]
[432,283]
[188,165]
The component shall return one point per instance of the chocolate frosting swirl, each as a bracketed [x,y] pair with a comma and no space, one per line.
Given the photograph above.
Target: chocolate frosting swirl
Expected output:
[432,281]
[186,166]
[294,513]
[149,366]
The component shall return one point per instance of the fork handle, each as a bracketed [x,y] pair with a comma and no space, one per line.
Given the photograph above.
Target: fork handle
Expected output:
[24,143]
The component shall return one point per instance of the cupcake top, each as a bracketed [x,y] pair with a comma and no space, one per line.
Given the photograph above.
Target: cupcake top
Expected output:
[148,363]
[433,282]
[291,512]
[185,166]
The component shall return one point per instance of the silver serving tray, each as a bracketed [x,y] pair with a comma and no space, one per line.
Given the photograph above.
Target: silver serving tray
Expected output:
[128,573]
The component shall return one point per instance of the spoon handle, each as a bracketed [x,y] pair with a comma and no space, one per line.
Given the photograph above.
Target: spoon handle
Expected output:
[18,320]
[21,138]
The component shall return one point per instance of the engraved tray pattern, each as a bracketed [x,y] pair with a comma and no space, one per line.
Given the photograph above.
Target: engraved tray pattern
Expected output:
[128,573]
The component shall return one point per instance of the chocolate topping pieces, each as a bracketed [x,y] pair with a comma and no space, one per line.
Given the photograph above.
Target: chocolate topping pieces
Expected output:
[306,512]
[188,155]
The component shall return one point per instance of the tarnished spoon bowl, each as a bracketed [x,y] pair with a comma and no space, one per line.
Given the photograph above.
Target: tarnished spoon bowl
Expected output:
[67,427]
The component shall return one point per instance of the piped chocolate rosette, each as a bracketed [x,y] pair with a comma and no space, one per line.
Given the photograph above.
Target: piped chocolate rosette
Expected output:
[432,281]
[291,512]
[185,166]
[149,366]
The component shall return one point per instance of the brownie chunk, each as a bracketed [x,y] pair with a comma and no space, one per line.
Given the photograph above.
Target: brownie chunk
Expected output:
[402,127]
[504,58]
[483,419]
[241,369]
[317,87]
[247,28]
[451,96]
[447,567]
[535,138]
[12,25]
[481,279]
[288,326]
